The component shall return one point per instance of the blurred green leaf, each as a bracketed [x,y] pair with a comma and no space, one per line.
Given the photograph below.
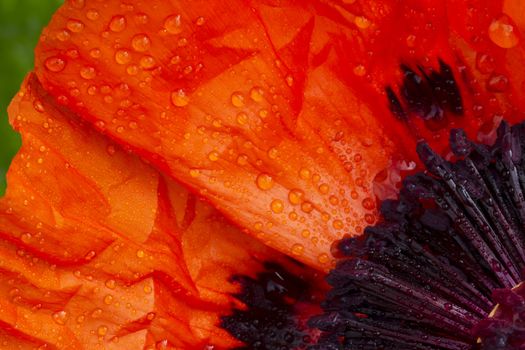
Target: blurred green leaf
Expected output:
[21,22]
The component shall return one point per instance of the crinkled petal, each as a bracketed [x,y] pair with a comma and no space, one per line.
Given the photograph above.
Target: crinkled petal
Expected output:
[245,108]
[100,251]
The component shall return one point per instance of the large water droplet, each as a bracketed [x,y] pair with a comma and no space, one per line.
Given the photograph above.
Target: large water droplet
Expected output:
[88,72]
[237,99]
[264,181]
[503,32]
[75,26]
[55,64]
[117,24]
[173,24]
[179,98]
[141,42]
[122,56]
[277,206]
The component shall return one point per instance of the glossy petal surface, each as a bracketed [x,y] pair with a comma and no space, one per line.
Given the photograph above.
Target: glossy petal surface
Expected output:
[100,251]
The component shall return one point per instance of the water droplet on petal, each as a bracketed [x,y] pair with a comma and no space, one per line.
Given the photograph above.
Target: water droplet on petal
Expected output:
[108,299]
[141,42]
[60,317]
[295,196]
[338,224]
[122,56]
[237,99]
[92,14]
[497,83]
[503,32]
[277,206]
[117,24]
[264,181]
[362,22]
[173,24]
[323,258]
[257,94]
[359,70]
[102,331]
[179,98]
[88,72]
[75,26]
[297,249]
[369,203]
[55,64]
[213,156]
[242,118]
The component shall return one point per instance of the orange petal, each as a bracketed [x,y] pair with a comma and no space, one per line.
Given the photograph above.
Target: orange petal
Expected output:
[244,108]
[100,251]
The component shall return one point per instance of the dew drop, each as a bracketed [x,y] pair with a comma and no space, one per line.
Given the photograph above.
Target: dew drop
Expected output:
[324,188]
[289,80]
[264,181]
[117,24]
[307,207]
[179,98]
[147,62]
[122,56]
[323,258]
[242,118]
[295,196]
[273,153]
[485,63]
[497,83]
[242,159]
[63,35]
[92,14]
[95,53]
[297,249]
[111,284]
[102,331]
[194,173]
[368,203]
[132,69]
[88,72]
[277,206]
[141,42]
[305,174]
[200,21]
[96,313]
[257,94]
[140,254]
[60,317]
[75,26]
[362,22]
[237,99]
[503,32]
[213,156]
[305,233]
[55,64]
[359,70]
[108,299]
[338,224]
[173,24]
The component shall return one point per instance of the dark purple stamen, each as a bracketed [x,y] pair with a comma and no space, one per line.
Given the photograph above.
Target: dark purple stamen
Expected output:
[424,277]
[426,93]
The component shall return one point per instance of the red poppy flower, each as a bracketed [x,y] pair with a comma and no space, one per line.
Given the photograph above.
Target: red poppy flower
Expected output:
[190,170]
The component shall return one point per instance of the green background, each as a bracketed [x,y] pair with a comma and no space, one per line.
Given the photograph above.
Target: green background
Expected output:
[21,22]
